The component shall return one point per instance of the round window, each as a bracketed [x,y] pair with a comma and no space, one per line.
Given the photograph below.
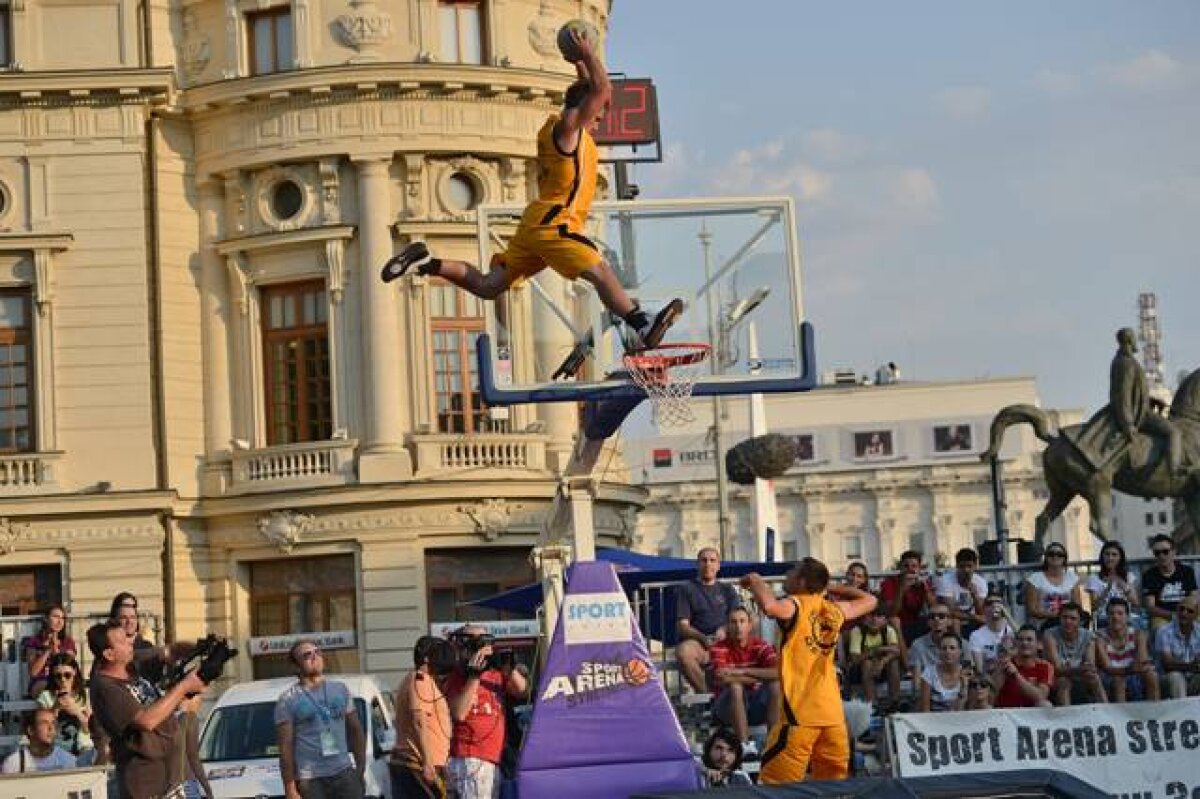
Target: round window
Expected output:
[462,192]
[286,199]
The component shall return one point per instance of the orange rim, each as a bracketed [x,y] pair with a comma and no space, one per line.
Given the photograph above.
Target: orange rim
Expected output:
[666,356]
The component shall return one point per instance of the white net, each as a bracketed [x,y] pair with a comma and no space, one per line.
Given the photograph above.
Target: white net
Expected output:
[667,375]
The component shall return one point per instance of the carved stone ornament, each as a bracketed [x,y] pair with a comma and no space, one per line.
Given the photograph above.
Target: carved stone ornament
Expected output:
[543,31]
[364,27]
[627,519]
[491,516]
[196,50]
[10,533]
[284,528]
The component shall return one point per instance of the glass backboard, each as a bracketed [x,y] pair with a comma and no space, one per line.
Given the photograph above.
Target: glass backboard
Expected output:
[734,262]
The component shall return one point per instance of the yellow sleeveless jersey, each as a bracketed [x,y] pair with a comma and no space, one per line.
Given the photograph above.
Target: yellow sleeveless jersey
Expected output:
[566,182]
[807,672]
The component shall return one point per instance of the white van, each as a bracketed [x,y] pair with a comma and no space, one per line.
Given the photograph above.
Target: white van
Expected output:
[241,754]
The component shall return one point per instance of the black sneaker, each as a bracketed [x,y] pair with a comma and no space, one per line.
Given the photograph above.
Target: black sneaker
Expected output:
[652,334]
[415,255]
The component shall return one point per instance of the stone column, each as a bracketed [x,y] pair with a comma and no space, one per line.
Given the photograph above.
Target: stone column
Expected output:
[551,340]
[214,339]
[385,392]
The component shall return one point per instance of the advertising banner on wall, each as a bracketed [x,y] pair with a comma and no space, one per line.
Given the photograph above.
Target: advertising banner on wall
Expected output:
[1147,750]
[278,644]
[602,725]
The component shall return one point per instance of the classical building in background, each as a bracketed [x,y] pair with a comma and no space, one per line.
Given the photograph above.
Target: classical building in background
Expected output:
[207,397]
[881,469]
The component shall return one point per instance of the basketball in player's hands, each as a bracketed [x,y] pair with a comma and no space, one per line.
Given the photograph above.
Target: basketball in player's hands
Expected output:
[566,42]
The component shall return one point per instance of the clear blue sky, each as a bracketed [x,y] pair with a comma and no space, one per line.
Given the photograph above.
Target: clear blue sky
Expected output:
[983,189]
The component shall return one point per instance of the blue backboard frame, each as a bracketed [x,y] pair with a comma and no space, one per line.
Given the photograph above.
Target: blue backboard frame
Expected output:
[493,394]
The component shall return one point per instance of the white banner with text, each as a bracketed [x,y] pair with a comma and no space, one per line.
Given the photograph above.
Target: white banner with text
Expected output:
[1148,750]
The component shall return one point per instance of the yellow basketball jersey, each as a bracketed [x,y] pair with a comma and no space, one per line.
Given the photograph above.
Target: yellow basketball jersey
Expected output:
[566,182]
[807,672]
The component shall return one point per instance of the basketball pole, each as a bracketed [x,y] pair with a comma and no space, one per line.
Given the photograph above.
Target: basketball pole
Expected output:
[766,513]
[715,333]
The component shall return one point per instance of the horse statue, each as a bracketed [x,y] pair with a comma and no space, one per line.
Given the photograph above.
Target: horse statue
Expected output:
[1138,467]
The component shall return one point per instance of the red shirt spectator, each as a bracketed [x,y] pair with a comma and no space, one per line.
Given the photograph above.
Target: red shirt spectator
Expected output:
[481,733]
[1039,671]
[755,654]
[908,596]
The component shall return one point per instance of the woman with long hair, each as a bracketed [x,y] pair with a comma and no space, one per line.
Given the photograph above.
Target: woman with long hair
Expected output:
[858,576]
[51,639]
[1112,581]
[66,695]
[943,686]
[1047,590]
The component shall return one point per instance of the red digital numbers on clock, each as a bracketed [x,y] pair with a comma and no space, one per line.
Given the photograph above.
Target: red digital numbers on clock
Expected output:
[632,116]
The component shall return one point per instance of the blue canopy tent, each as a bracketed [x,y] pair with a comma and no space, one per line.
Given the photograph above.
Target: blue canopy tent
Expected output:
[656,615]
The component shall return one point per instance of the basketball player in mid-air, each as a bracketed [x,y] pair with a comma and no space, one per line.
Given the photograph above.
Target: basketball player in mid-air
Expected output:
[551,229]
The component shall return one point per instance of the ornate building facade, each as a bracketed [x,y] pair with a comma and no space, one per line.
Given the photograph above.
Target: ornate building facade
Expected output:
[881,469]
[208,398]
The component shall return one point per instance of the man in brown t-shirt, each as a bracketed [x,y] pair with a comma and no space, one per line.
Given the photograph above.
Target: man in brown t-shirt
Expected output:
[139,721]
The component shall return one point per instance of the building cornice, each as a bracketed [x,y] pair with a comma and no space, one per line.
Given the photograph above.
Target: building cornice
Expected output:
[76,87]
[54,242]
[414,493]
[373,80]
[285,238]
[93,503]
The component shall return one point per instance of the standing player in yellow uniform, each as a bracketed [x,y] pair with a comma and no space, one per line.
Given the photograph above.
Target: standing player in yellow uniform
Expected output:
[812,727]
[551,229]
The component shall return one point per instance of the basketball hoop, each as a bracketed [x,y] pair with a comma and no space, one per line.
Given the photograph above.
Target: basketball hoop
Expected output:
[667,374]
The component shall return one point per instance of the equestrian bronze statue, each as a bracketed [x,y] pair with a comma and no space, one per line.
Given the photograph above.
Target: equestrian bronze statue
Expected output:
[1133,444]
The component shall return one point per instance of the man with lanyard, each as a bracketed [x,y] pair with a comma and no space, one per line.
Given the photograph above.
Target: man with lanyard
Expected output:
[316,719]
[813,727]
[702,608]
[140,724]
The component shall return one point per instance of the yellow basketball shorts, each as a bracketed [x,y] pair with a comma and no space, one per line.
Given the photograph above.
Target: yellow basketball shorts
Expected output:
[534,247]
[791,750]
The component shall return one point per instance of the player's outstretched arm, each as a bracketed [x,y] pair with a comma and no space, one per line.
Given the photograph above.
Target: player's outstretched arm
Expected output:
[854,602]
[780,608]
[574,120]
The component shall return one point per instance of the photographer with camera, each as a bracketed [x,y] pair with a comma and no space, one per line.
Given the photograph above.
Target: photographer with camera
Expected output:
[318,730]
[139,721]
[477,690]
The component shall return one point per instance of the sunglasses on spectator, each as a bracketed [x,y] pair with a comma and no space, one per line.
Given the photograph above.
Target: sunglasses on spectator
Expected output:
[67,673]
[1189,611]
[1161,552]
[1054,553]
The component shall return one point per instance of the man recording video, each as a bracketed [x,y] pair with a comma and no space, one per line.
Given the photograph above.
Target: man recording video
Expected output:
[476,691]
[139,721]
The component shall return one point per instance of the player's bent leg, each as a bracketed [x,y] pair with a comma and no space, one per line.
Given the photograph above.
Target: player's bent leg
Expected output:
[414,256]
[831,754]
[649,331]
[787,754]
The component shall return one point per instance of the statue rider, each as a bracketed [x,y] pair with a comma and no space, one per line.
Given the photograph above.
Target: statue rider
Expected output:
[1129,402]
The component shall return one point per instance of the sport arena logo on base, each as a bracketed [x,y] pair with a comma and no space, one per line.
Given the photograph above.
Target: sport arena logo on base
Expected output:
[596,619]
[596,679]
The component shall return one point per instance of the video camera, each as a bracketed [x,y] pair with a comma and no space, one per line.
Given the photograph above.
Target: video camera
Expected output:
[467,645]
[211,653]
